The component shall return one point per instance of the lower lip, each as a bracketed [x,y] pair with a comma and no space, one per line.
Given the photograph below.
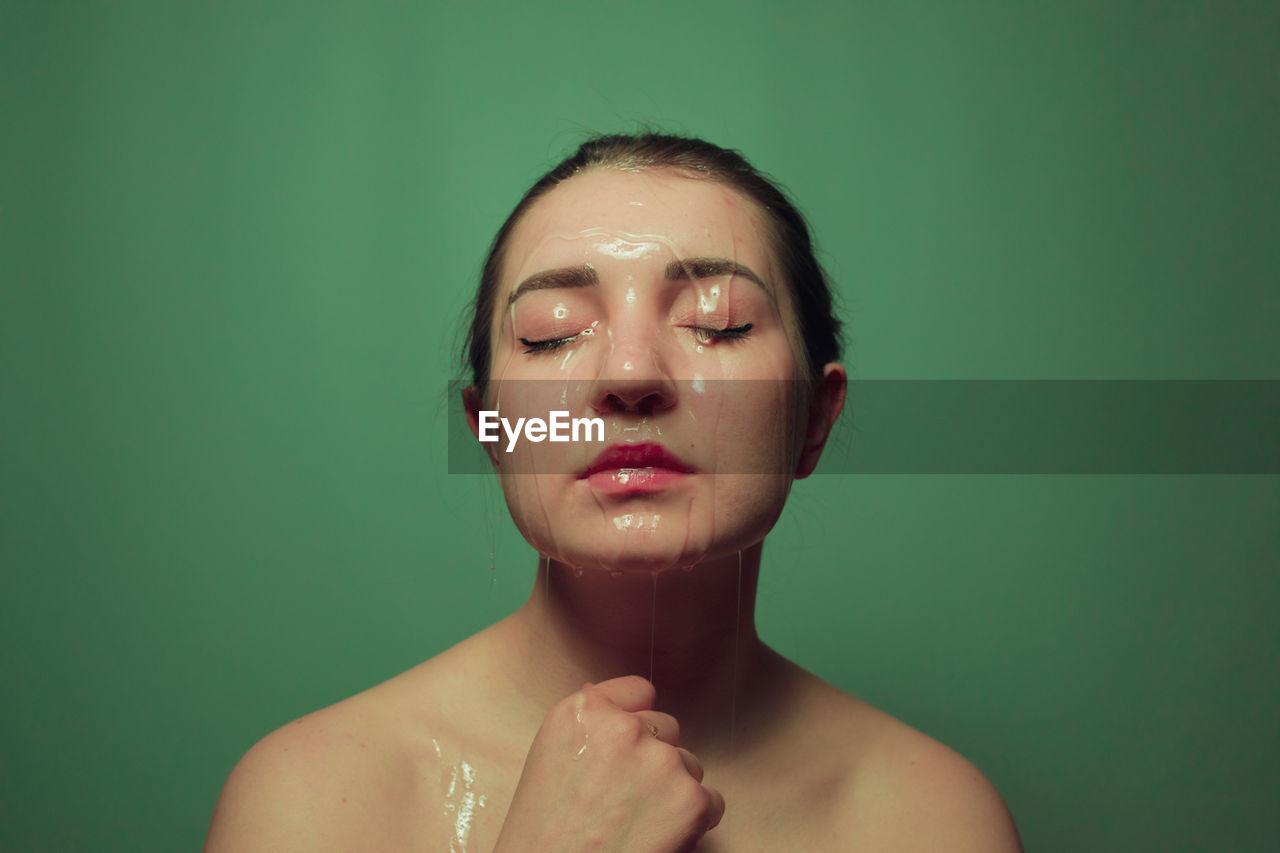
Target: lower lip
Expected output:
[634,481]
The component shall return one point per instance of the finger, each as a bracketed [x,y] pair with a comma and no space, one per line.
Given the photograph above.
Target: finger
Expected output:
[662,726]
[629,692]
[717,807]
[691,763]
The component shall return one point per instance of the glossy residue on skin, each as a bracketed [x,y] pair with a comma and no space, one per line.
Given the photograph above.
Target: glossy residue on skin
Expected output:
[461,799]
[622,333]
[580,703]
[575,370]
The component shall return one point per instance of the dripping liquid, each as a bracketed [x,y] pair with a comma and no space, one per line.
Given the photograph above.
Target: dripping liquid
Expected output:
[653,624]
[733,690]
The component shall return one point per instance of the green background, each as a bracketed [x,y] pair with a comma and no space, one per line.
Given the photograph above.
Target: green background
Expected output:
[236,240]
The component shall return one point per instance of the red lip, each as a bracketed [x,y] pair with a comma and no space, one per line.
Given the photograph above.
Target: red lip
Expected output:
[644,455]
[634,469]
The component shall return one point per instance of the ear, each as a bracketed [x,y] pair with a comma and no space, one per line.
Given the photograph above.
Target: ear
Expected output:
[828,402]
[473,403]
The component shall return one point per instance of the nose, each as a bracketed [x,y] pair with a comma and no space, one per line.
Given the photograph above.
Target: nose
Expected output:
[634,378]
[641,397]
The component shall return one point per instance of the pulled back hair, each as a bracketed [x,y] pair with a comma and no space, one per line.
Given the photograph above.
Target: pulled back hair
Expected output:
[791,245]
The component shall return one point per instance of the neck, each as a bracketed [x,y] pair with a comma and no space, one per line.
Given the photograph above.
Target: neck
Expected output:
[691,633]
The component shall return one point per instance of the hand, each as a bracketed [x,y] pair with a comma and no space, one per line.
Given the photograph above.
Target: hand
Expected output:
[605,773]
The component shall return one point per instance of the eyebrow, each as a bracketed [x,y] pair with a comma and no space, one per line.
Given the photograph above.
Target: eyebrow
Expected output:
[712,268]
[682,270]
[583,276]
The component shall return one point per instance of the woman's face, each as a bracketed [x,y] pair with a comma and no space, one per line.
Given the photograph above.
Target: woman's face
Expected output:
[649,300]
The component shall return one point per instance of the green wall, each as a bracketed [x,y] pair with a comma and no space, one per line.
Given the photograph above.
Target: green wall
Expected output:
[235,243]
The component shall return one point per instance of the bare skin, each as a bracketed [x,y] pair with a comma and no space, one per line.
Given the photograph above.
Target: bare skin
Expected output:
[629,704]
[804,766]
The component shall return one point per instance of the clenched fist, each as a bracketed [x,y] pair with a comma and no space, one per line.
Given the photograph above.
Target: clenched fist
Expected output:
[605,772]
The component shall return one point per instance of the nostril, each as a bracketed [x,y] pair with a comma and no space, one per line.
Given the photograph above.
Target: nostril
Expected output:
[635,396]
[645,406]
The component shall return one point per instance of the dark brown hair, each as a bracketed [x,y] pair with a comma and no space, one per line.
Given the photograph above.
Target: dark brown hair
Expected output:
[792,246]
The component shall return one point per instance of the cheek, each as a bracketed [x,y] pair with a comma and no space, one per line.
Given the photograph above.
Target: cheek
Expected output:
[748,505]
[757,426]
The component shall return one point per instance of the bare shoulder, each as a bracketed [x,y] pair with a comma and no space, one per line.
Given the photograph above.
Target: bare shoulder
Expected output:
[908,791]
[881,784]
[376,771]
[339,778]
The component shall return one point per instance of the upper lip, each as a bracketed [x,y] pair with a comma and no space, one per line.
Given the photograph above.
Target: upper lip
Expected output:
[644,455]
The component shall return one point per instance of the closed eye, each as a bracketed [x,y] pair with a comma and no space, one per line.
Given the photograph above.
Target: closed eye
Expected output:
[705,335]
[547,345]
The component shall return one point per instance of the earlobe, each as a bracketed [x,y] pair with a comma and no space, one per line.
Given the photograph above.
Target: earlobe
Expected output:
[828,403]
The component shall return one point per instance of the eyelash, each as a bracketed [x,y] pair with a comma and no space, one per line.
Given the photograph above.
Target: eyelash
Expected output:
[733,333]
[702,334]
[546,346]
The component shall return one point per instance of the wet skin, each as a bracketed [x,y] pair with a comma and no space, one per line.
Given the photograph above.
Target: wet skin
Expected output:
[432,759]
[649,300]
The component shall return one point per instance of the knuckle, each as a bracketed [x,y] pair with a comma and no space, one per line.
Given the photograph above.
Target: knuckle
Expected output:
[670,761]
[695,802]
[703,808]
[672,725]
[624,727]
[643,686]
[692,764]
[571,708]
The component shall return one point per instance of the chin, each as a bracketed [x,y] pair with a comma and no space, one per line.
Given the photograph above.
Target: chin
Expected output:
[633,554]
[649,536]
[630,552]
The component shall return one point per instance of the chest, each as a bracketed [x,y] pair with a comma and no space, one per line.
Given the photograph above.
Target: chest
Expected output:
[460,806]
[459,801]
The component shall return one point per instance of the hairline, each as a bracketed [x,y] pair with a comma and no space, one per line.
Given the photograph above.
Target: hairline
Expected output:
[759,211]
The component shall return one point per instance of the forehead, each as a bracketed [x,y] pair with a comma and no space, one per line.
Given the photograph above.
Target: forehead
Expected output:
[693,216]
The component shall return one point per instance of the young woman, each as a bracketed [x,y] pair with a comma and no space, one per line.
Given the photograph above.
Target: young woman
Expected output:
[663,286]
